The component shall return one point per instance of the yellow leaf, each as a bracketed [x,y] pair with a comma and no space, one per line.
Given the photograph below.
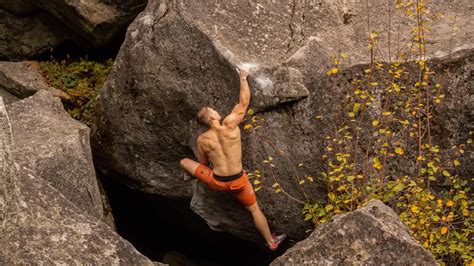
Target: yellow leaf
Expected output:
[465,212]
[248,126]
[310,178]
[399,151]
[356,107]
[351,114]
[341,188]
[444,230]
[257,189]
[331,196]
[301,182]
[275,185]
[250,111]
[278,190]
[440,203]
[377,163]
[404,122]
[374,83]
[375,123]
[329,207]
[256,182]
[396,87]
[373,35]
[332,71]
[426,244]
[446,173]
[456,163]
[450,203]
[350,178]
[415,209]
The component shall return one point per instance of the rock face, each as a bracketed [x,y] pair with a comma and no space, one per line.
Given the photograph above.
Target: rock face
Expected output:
[56,148]
[8,97]
[38,225]
[96,21]
[372,235]
[180,55]
[24,37]
[22,79]
[18,7]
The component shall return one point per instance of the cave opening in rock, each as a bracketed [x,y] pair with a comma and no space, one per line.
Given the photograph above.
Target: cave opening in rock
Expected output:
[166,230]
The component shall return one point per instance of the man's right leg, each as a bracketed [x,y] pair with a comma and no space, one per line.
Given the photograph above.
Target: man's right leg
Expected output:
[261,222]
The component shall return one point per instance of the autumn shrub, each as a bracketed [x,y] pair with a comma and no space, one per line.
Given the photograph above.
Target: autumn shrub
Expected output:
[81,79]
[379,144]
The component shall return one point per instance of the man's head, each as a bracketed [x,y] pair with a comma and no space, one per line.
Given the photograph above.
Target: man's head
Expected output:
[206,115]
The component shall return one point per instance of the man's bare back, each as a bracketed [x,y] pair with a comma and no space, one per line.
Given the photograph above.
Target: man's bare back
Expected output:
[223,147]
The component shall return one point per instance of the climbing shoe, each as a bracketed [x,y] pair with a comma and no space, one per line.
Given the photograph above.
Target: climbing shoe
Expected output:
[277,240]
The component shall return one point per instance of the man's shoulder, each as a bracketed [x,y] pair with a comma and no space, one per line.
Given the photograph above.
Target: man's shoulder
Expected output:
[203,137]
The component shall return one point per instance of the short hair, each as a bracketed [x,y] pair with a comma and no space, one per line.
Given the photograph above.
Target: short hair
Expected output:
[203,116]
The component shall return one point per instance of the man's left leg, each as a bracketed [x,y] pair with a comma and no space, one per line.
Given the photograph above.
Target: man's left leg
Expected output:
[189,166]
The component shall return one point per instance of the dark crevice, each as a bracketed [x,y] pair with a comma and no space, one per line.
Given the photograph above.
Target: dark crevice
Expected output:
[166,230]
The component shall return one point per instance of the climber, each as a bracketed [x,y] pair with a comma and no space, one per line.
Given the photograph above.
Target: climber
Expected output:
[221,146]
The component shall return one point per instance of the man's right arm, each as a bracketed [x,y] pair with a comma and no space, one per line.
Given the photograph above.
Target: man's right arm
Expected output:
[238,113]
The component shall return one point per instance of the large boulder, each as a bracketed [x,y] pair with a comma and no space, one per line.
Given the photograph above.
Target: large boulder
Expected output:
[23,79]
[97,21]
[39,225]
[371,235]
[56,148]
[24,37]
[180,55]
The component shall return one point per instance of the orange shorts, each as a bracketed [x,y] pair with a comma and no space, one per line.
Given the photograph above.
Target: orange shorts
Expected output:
[240,187]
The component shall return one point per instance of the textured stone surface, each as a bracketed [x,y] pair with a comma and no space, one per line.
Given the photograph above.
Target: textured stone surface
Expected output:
[23,79]
[18,7]
[23,37]
[180,55]
[7,96]
[96,21]
[38,225]
[372,235]
[56,148]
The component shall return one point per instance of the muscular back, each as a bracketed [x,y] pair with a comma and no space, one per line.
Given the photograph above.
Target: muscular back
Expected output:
[222,147]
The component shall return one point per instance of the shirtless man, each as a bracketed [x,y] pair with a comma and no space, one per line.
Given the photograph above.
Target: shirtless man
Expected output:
[221,146]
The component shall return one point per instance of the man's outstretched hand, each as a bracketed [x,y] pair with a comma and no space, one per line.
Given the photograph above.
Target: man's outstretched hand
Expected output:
[242,73]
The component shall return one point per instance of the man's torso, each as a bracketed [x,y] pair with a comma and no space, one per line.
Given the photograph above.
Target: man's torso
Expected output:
[223,148]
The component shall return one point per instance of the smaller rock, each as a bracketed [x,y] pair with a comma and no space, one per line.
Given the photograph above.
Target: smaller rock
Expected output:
[25,37]
[372,235]
[56,148]
[23,79]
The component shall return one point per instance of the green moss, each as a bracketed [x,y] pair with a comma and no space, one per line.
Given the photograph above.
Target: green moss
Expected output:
[81,80]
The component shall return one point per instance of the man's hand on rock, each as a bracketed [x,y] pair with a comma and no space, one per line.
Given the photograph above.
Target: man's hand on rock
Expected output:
[242,73]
